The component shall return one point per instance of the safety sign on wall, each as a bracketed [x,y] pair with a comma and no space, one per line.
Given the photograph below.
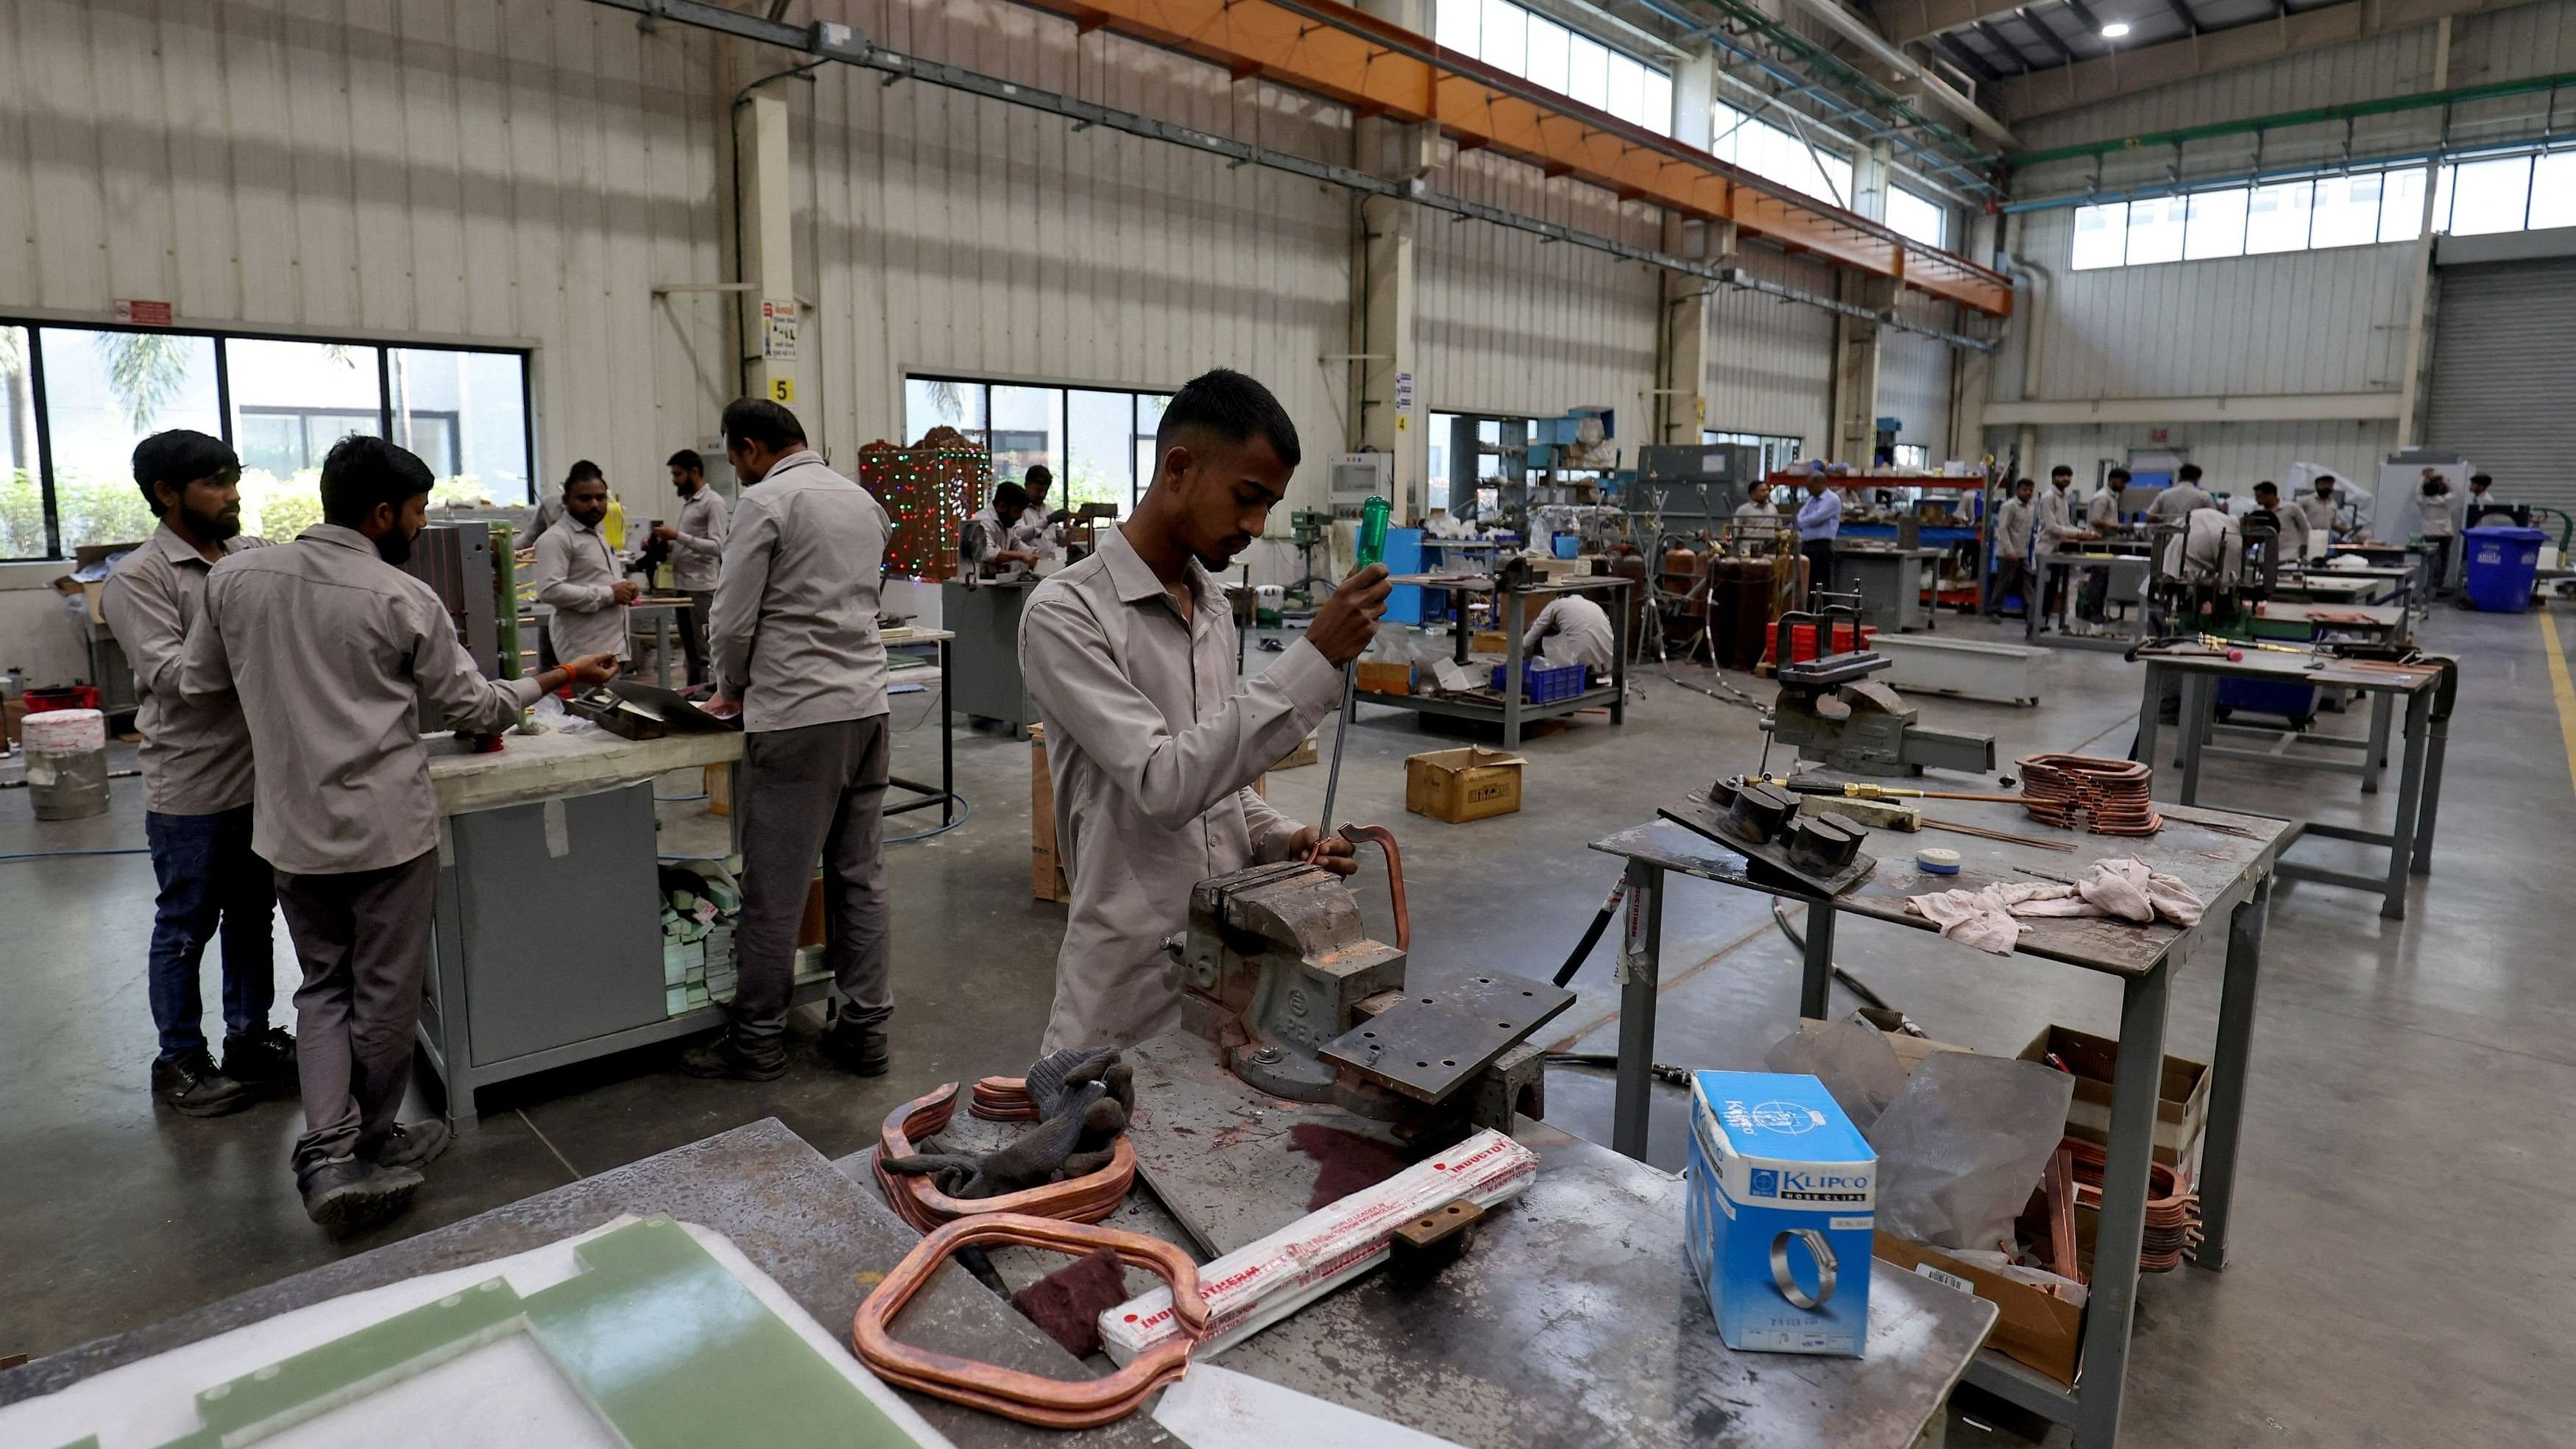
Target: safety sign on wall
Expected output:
[778,331]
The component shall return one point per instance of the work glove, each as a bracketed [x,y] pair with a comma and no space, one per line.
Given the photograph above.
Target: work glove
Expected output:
[1084,1100]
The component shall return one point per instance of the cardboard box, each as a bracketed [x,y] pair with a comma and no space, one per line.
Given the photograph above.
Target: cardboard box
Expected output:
[719,787]
[12,712]
[2182,1098]
[82,557]
[1783,1197]
[1490,641]
[2035,1329]
[1377,676]
[1046,868]
[1910,1050]
[1304,754]
[1462,785]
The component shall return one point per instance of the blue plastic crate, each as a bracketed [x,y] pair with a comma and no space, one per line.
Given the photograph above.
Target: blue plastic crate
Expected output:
[1543,683]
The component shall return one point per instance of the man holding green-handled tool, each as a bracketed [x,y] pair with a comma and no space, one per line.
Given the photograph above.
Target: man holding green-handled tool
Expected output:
[1152,741]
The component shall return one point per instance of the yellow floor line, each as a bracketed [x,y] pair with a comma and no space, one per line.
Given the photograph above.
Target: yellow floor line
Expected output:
[2562,688]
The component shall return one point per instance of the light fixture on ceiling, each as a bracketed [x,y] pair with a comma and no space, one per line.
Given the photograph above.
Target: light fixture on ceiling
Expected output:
[2115,30]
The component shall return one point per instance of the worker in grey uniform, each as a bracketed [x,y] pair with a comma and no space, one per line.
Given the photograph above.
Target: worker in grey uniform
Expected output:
[2435,523]
[2320,507]
[578,575]
[799,660]
[1573,630]
[1152,741]
[2053,528]
[331,650]
[1758,506]
[2289,524]
[1037,532]
[196,789]
[2180,501]
[2015,524]
[2105,513]
[697,549]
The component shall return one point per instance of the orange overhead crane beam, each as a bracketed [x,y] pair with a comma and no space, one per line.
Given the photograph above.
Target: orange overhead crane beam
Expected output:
[1382,69]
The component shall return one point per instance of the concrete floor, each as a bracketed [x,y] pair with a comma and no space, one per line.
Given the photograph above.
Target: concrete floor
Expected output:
[2388,1058]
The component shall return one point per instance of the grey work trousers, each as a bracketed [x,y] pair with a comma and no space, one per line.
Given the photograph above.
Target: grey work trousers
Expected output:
[363,940]
[693,633]
[816,790]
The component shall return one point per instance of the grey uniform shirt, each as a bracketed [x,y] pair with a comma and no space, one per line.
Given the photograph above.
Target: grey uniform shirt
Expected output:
[2013,523]
[2291,523]
[1152,744]
[576,573]
[2102,510]
[2177,502]
[2056,520]
[1576,631]
[794,627]
[699,549]
[2320,512]
[196,753]
[331,651]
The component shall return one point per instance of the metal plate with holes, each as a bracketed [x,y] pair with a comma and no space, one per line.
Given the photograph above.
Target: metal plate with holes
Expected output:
[1441,1035]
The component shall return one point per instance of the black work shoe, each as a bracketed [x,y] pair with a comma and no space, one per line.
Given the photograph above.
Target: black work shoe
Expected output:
[858,1049]
[262,1059]
[345,1192]
[417,1145]
[726,1057]
[191,1086]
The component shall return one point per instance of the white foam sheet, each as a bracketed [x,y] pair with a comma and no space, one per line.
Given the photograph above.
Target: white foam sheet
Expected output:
[1217,1408]
[517,1396]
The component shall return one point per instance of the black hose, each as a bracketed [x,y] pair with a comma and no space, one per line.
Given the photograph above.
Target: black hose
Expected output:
[1851,983]
[1592,936]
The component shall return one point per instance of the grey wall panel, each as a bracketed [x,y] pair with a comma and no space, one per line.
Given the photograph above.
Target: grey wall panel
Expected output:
[2497,398]
[1768,362]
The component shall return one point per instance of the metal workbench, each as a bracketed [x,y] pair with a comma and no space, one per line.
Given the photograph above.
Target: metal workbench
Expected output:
[985,623]
[1508,708]
[2231,872]
[2130,573]
[1889,581]
[821,1236]
[2286,619]
[2408,840]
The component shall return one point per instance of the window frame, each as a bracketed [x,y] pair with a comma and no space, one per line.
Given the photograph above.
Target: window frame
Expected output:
[1061,447]
[1661,124]
[39,402]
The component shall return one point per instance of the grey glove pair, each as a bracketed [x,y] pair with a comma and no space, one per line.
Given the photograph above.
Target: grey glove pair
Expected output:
[1084,1098]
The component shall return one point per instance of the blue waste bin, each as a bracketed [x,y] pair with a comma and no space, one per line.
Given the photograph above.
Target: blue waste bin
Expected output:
[2501,565]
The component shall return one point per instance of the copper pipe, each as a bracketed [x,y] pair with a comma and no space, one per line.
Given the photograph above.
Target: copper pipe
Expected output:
[918,1200]
[1385,839]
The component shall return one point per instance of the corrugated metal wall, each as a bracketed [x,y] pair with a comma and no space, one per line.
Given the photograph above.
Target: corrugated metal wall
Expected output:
[1770,363]
[950,234]
[2297,322]
[1513,323]
[481,170]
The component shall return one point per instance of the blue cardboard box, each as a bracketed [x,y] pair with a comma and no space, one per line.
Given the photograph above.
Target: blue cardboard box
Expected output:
[1783,1198]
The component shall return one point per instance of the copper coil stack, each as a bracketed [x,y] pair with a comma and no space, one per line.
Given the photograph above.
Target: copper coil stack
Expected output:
[2173,1211]
[2082,792]
[918,1201]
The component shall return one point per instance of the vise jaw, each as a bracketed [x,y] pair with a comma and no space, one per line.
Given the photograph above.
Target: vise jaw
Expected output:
[1275,964]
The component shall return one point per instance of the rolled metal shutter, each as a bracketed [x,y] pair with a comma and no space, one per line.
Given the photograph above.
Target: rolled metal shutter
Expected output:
[2502,343]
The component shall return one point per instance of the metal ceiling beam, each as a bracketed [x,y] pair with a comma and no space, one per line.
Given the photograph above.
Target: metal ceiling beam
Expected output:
[1995,35]
[1960,51]
[2056,43]
[2127,72]
[2182,12]
[1852,28]
[2085,17]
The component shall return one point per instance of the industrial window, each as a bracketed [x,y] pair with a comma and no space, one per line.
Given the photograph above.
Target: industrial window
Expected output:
[1777,452]
[1099,442]
[1780,155]
[1919,217]
[2353,208]
[1545,53]
[80,398]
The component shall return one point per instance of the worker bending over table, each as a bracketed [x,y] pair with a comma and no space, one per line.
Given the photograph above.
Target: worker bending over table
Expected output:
[798,658]
[697,548]
[196,789]
[1573,630]
[1152,741]
[1038,533]
[577,572]
[331,649]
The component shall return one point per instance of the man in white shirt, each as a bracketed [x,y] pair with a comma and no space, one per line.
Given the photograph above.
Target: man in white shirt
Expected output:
[697,549]
[1152,741]
[1035,534]
[798,657]
[2054,528]
[1573,630]
[1758,505]
[2104,513]
[2015,522]
[578,574]
[2320,507]
[2289,524]
[2180,501]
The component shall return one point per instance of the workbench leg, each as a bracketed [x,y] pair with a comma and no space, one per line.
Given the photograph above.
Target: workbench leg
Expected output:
[1619,657]
[2382,701]
[2199,695]
[1641,944]
[1816,986]
[2436,745]
[947,742]
[2236,995]
[1515,669]
[2150,706]
[2112,1311]
[2410,793]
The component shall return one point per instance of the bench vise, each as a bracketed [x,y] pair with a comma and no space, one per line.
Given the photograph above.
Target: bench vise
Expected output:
[1832,712]
[1279,972]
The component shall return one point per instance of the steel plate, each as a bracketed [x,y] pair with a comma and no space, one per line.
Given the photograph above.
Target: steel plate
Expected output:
[1440,1036]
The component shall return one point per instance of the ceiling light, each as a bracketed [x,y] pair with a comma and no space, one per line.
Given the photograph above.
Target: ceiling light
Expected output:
[2115,30]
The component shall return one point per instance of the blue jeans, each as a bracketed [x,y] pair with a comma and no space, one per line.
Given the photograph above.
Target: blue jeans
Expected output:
[209,875]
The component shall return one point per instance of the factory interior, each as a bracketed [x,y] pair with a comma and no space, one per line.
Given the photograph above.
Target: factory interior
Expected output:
[723,719]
